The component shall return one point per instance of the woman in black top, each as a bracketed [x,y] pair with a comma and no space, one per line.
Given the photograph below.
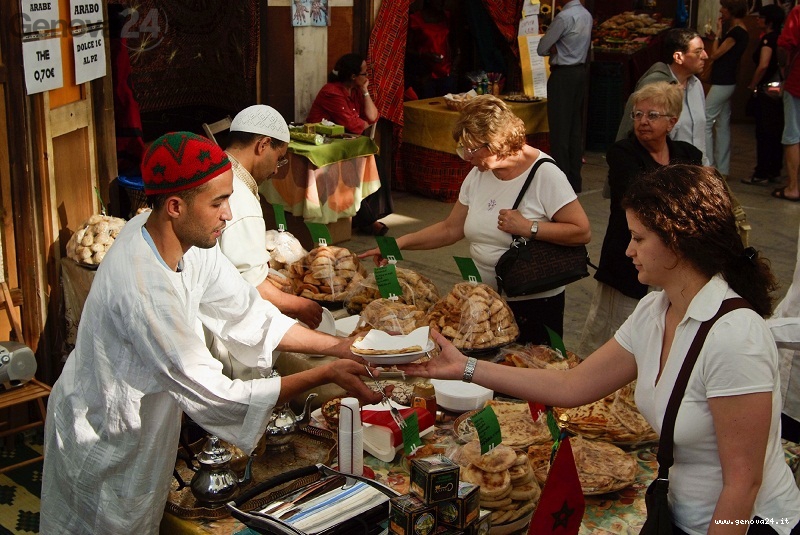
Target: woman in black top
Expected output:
[768,110]
[656,108]
[726,51]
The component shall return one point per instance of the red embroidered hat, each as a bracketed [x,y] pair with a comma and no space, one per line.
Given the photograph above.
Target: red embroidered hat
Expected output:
[178,161]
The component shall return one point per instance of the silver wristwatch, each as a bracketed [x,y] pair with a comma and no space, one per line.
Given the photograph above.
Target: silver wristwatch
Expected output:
[469,369]
[534,229]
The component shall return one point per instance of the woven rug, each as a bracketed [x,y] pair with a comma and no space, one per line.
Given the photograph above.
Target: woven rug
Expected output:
[20,488]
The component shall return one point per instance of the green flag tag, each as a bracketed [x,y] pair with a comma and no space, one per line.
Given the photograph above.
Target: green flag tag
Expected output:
[411,440]
[556,342]
[468,269]
[488,429]
[389,249]
[280,217]
[388,285]
[320,235]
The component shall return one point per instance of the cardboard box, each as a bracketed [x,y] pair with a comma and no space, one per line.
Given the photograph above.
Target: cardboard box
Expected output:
[408,515]
[329,130]
[482,526]
[434,479]
[463,510]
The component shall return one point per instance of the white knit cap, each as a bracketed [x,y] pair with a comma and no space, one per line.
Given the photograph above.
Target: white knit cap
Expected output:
[261,119]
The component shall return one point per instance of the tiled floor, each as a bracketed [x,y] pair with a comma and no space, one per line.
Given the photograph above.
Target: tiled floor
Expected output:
[775,227]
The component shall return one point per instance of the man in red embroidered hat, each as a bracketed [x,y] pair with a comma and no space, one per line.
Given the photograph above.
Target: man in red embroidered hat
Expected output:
[114,414]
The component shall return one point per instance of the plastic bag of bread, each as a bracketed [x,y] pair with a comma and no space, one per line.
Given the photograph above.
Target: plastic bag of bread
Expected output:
[538,356]
[474,316]
[389,316]
[326,273]
[283,249]
[281,280]
[93,238]
[418,290]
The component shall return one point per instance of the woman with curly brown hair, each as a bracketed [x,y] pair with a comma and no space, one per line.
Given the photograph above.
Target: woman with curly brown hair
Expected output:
[729,466]
[492,138]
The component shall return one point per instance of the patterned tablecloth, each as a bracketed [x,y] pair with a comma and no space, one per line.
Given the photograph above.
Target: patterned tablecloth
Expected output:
[615,513]
[325,183]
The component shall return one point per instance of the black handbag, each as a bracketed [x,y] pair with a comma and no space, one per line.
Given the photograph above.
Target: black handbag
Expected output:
[659,517]
[533,266]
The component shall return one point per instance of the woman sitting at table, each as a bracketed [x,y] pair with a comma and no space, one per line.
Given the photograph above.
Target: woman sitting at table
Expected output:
[729,464]
[656,108]
[492,138]
[345,100]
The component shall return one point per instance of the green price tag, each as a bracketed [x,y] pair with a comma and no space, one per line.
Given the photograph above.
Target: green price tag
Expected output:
[469,272]
[389,249]
[388,285]
[556,342]
[320,235]
[411,440]
[280,217]
[488,429]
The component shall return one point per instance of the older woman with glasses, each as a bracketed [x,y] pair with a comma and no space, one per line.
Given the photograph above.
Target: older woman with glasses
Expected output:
[656,108]
[492,138]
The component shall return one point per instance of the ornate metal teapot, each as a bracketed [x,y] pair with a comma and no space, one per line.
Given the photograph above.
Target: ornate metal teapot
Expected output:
[283,424]
[215,482]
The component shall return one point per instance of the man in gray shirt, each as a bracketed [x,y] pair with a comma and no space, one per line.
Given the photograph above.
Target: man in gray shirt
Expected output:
[567,43]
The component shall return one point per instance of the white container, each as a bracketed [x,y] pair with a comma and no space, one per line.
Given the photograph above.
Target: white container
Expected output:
[458,396]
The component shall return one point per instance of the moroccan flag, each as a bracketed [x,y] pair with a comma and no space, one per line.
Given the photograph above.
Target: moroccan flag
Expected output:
[561,505]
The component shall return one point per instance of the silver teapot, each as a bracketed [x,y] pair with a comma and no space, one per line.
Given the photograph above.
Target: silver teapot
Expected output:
[215,482]
[283,423]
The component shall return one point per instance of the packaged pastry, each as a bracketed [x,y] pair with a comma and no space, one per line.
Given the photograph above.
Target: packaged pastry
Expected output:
[474,316]
[89,244]
[326,273]
[283,249]
[418,290]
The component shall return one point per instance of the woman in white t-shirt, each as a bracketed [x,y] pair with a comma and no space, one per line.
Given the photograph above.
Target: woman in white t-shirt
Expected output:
[492,138]
[729,463]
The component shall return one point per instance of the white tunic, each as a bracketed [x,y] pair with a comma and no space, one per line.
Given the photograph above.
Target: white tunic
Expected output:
[739,357]
[113,417]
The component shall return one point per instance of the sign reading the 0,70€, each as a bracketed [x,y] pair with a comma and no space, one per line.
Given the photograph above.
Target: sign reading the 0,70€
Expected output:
[42,60]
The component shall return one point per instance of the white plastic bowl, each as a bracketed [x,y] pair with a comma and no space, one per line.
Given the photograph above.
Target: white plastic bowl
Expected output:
[459,396]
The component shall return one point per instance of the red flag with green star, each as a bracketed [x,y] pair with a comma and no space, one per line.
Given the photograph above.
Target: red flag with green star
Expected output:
[561,505]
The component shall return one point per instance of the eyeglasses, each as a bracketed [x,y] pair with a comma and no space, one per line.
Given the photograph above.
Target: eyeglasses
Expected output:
[283,161]
[652,116]
[467,154]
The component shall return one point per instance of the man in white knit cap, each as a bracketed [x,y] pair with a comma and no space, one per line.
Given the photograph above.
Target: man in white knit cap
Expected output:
[257,145]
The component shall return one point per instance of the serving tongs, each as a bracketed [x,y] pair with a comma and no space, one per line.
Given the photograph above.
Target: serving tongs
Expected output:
[396,416]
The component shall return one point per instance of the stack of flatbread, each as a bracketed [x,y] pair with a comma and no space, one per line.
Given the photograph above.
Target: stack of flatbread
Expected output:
[614,419]
[601,467]
[418,290]
[474,316]
[505,476]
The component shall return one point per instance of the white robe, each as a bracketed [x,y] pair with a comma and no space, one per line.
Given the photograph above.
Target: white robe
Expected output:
[113,417]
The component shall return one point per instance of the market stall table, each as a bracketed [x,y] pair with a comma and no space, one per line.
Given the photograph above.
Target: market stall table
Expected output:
[427,162]
[325,183]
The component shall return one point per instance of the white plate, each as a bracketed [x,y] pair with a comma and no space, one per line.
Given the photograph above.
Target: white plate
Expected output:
[459,396]
[328,323]
[344,326]
[397,358]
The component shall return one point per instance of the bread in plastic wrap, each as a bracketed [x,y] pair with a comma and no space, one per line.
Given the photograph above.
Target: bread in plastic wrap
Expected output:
[283,249]
[389,316]
[538,356]
[281,280]
[418,290]
[326,273]
[93,238]
[474,316]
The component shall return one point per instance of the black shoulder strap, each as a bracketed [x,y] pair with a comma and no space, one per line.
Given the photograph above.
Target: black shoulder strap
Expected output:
[528,180]
[665,443]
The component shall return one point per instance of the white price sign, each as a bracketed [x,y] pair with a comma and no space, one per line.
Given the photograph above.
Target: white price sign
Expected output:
[42,60]
[90,56]
[85,12]
[39,16]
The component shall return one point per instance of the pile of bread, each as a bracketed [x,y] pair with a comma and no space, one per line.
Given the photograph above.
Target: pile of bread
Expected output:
[326,273]
[506,479]
[641,23]
[473,317]
[89,244]
[418,290]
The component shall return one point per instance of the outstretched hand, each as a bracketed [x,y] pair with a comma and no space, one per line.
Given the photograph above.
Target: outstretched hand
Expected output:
[347,374]
[448,364]
[375,253]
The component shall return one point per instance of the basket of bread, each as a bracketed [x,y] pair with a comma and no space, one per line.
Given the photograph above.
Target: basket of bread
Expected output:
[90,243]
[418,290]
[326,273]
[474,317]
[457,101]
